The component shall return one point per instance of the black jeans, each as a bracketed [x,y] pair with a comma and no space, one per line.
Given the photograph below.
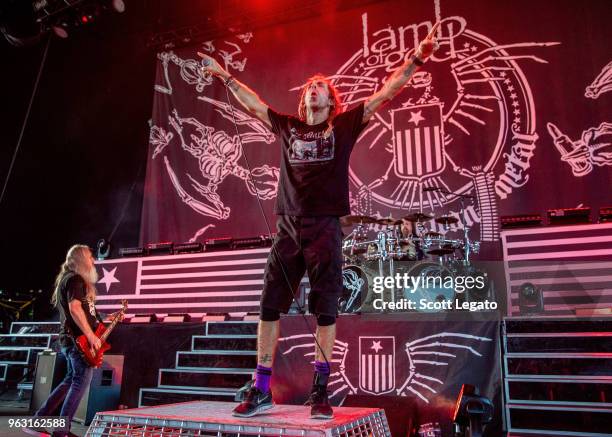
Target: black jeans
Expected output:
[312,244]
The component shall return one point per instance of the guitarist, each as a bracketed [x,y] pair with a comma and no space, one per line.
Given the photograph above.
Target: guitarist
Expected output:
[74,296]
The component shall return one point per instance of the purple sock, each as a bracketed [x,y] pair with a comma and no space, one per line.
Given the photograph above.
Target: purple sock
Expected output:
[322,371]
[263,375]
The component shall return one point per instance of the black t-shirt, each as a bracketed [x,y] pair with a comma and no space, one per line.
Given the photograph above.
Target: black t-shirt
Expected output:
[73,286]
[314,169]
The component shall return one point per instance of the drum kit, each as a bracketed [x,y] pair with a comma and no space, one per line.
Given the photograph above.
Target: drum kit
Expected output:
[401,246]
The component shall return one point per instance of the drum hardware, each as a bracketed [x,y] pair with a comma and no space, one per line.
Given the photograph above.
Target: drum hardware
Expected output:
[467,246]
[389,221]
[355,286]
[418,217]
[446,220]
[440,255]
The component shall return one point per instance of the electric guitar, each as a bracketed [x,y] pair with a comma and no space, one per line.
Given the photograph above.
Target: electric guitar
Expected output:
[93,357]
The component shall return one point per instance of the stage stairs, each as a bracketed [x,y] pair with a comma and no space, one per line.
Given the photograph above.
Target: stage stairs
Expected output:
[18,351]
[558,376]
[217,365]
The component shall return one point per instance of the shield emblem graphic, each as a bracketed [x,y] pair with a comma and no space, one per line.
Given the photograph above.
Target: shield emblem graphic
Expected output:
[418,141]
[377,364]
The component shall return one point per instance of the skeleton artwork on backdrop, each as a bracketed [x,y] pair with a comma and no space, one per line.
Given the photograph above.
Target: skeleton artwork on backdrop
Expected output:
[216,151]
[594,148]
[601,84]
[218,154]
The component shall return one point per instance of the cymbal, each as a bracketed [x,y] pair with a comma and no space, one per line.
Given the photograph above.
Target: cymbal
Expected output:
[446,220]
[418,217]
[389,221]
[349,220]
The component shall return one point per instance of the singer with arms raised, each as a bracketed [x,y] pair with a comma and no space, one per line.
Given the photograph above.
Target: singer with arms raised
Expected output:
[312,195]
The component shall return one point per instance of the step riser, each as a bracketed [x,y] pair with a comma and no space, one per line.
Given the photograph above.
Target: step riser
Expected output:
[560,392]
[579,422]
[35,328]
[202,380]
[559,344]
[219,344]
[12,341]
[15,372]
[228,328]
[217,361]
[556,366]
[546,326]
[16,356]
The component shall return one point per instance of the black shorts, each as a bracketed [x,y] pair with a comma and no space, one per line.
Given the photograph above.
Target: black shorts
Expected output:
[303,244]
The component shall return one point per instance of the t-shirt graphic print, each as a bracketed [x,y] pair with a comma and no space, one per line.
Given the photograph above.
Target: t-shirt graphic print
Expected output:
[314,170]
[310,147]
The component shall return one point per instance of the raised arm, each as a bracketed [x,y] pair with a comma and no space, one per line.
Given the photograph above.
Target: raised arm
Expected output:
[243,93]
[401,75]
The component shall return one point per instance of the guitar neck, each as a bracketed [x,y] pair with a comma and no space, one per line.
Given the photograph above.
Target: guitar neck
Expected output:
[110,327]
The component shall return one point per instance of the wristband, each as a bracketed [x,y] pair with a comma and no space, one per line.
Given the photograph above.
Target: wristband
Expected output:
[416,61]
[229,80]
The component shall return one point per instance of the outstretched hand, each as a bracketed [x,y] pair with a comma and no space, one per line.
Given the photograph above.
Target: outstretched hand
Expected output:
[429,44]
[211,66]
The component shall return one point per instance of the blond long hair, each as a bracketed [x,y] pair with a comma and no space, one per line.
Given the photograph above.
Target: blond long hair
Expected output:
[334,97]
[75,262]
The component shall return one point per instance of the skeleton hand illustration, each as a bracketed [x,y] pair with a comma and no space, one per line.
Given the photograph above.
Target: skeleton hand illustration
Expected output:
[601,84]
[594,147]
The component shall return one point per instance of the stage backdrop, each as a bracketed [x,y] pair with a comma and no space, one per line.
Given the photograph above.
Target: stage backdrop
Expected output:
[515,109]
[423,359]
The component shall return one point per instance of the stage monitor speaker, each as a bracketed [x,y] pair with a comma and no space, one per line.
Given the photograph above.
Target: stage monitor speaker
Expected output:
[401,412]
[104,390]
[50,371]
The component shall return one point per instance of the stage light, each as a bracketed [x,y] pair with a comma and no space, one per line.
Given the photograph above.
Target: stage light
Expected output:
[162,248]
[188,248]
[132,251]
[103,248]
[472,411]
[531,299]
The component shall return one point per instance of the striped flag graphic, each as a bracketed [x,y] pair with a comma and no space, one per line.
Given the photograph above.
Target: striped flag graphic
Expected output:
[572,265]
[377,364]
[215,282]
[418,147]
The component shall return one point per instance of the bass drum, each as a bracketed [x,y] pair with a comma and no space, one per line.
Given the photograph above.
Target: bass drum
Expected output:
[430,294]
[356,284]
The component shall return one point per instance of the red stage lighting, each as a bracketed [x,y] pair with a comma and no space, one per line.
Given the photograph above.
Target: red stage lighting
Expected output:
[84,19]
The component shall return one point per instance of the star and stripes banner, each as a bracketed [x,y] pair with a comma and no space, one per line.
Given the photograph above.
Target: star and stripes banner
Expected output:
[422,359]
[570,265]
[195,284]
[516,115]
